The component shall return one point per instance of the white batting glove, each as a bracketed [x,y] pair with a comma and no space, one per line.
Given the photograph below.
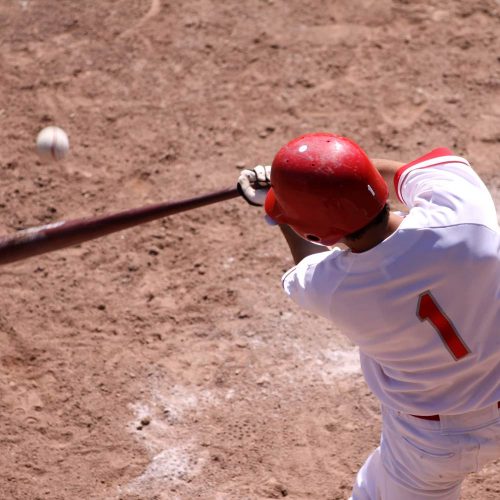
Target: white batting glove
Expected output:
[254,184]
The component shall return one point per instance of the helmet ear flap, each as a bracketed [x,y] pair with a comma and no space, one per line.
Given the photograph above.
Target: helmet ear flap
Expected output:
[272,207]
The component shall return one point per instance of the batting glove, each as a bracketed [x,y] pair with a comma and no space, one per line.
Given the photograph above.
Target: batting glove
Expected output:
[254,184]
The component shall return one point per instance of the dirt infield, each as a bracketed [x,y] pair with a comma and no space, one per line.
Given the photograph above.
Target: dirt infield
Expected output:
[164,362]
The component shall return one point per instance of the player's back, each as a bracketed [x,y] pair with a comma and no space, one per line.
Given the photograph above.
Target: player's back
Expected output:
[436,347]
[427,318]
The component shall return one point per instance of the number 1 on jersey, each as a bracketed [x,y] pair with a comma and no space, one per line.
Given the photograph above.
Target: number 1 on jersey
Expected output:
[428,309]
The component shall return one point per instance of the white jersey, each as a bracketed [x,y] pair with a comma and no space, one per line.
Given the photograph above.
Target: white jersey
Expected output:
[423,305]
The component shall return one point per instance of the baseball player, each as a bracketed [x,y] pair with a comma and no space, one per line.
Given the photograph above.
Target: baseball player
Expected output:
[418,292]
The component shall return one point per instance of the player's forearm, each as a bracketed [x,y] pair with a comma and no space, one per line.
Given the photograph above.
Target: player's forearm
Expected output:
[299,247]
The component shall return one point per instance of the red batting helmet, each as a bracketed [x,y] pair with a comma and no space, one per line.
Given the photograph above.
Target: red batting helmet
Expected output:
[325,187]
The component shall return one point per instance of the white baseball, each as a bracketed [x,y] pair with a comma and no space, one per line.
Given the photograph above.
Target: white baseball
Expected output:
[52,143]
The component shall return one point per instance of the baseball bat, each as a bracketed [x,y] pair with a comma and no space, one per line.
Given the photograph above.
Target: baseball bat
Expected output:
[48,238]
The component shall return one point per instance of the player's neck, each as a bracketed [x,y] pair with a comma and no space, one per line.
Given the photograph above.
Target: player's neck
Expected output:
[376,235]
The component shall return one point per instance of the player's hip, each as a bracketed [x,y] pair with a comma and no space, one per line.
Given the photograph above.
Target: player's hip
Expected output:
[442,451]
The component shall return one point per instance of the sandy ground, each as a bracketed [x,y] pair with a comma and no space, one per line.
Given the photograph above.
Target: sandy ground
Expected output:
[164,362]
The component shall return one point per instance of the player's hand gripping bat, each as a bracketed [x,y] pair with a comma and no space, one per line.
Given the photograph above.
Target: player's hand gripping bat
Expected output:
[43,239]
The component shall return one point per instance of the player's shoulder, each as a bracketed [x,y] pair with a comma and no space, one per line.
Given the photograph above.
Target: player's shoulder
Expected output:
[446,189]
[439,163]
[315,266]
[328,257]
[314,279]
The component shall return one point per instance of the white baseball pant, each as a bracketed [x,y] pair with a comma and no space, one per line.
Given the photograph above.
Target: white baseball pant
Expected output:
[422,459]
